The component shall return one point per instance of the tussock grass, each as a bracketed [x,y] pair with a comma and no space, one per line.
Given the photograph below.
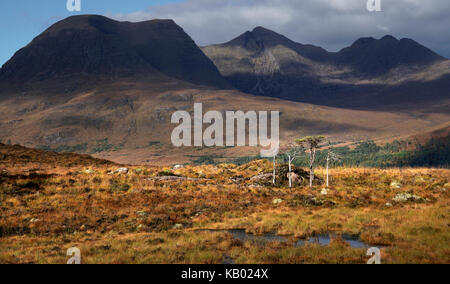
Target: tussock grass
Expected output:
[134,218]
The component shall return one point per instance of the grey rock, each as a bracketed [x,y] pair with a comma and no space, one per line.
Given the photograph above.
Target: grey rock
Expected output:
[296,179]
[142,213]
[396,185]
[178,227]
[122,171]
[277,201]
[405,197]
[261,178]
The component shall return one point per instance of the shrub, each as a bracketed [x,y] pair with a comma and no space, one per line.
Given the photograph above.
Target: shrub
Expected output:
[117,186]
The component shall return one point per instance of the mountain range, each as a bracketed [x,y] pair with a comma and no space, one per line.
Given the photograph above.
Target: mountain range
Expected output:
[95,85]
[265,63]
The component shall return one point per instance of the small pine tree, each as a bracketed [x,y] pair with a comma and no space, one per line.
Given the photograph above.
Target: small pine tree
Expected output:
[312,144]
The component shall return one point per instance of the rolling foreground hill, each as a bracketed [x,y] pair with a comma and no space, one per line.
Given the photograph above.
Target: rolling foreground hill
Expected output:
[93,85]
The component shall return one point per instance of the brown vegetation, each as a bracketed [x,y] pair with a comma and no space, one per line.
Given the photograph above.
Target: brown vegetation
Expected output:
[139,217]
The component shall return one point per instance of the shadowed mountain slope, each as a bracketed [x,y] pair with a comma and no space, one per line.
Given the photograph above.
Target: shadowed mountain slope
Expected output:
[371,57]
[97,47]
[265,63]
[261,38]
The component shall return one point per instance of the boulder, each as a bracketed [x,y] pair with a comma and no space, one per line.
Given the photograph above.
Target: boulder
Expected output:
[178,227]
[299,175]
[396,185]
[405,197]
[237,180]
[142,227]
[142,213]
[277,201]
[122,171]
[260,179]
[296,179]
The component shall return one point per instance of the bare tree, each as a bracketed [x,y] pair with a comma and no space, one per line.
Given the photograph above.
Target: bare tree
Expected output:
[312,144]
[274,169]
[331,157]
[293,152]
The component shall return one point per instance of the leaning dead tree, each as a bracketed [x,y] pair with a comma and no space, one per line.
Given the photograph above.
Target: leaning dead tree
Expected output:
[311,143]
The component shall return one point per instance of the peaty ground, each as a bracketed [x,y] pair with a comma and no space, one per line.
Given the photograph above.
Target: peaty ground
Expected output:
[161,215]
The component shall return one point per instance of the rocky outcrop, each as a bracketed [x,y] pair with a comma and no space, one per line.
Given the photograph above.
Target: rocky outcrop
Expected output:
[299,177]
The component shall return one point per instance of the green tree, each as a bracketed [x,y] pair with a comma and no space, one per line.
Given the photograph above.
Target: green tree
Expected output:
[312,143]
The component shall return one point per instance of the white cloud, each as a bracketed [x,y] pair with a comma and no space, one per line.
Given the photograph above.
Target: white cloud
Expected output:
[332,24]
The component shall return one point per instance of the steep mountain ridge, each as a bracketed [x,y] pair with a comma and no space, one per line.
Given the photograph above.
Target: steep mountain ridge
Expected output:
[371,57]
[102,48]
[308,73]
[261,39]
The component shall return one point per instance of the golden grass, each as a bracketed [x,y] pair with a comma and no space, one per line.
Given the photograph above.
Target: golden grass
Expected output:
[131,218]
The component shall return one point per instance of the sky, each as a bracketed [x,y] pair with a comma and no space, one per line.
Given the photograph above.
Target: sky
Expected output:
[332,24]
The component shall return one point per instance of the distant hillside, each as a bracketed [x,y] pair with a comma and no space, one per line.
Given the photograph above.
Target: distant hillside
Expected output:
[442,134]
[16,155]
